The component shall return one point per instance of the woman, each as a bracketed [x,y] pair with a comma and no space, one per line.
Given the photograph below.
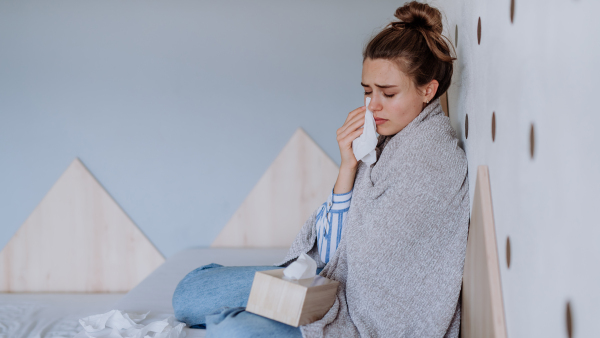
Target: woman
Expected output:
[401,244]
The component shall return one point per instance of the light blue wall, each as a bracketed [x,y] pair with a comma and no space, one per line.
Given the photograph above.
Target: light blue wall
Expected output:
[176,107]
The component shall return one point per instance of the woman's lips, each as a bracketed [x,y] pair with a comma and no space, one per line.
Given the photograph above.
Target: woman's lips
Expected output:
[380,121]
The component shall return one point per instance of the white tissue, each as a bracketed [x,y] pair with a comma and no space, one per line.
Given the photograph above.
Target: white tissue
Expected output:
[364,145]
[115,324]
[303,267]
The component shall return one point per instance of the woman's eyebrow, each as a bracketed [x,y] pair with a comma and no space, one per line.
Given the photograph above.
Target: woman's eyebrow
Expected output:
[380,86]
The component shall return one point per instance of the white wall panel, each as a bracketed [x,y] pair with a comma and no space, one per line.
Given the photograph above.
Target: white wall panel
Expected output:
[542,69]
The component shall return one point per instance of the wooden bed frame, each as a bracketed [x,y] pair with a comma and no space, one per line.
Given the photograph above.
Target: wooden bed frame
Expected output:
[482,306]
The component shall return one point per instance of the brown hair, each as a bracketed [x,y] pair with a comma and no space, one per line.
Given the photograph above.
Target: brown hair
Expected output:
[417,45]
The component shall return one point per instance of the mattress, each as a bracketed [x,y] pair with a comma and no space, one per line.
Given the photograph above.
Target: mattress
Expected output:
[57,315]
[47,315]
[154,293]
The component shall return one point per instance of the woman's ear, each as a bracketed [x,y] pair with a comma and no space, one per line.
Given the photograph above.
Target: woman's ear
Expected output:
[431,89]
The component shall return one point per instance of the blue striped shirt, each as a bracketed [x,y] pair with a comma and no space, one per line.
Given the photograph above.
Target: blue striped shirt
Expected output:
[329,223]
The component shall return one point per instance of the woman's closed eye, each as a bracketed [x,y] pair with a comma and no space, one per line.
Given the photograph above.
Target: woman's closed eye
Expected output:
[386,95]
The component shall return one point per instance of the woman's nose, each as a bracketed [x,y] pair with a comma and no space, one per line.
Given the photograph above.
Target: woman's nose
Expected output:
[374,105]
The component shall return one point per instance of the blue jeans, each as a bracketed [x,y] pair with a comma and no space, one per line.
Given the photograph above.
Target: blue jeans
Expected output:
[215,297]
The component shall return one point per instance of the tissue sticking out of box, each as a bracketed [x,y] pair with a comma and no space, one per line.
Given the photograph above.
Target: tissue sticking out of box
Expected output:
[303,267]
[364,145]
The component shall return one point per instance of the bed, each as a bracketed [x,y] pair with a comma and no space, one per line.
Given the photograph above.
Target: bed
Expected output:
[43,315]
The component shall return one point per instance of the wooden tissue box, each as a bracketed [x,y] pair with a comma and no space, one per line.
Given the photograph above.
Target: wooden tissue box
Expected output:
[293,302]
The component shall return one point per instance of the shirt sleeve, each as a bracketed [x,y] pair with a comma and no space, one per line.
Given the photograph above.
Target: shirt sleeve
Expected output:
[341,202]
[330,222]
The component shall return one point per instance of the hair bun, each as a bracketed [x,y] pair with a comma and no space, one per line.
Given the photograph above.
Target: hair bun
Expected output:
[419,15]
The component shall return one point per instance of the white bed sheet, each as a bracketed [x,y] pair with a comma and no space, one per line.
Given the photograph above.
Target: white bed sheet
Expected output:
[154,293]
[57,315]
[49,315]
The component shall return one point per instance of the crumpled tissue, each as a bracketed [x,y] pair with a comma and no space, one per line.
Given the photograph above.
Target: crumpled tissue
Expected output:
[364,145]
[115,324]
[303,267]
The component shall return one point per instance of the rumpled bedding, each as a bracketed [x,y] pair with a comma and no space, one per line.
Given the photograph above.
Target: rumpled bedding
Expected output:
[116,324]
[48,315]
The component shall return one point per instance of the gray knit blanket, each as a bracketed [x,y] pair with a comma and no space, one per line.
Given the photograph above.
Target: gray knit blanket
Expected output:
[401,256]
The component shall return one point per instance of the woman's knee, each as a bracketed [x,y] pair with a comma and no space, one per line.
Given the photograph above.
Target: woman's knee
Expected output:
[187,293]
[210,288]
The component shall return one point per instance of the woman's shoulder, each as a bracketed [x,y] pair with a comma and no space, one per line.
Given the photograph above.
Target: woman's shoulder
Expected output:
[430,150]
[432,139]
[439,139]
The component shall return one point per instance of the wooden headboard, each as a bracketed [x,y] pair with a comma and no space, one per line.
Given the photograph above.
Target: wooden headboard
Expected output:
[482,306]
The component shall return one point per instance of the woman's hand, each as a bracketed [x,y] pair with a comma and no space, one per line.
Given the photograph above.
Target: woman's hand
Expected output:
[350,130]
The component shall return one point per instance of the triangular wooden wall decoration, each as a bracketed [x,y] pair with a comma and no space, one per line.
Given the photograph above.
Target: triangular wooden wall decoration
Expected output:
[482,305]
[297,182]
[77,240]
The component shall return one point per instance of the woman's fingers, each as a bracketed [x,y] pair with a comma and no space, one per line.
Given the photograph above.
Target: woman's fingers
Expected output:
[355,111]
[353,114]
[354,125]
[347,140]
[348,132]
[359,117]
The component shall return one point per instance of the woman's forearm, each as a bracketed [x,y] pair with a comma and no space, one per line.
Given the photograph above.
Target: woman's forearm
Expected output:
[345,180]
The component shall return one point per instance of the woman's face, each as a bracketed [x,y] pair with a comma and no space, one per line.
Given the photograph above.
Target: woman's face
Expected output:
[395,101]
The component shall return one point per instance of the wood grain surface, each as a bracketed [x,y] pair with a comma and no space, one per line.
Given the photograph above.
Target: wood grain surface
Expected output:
[293,302]
[297,182]
[482,305]
[77,240]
